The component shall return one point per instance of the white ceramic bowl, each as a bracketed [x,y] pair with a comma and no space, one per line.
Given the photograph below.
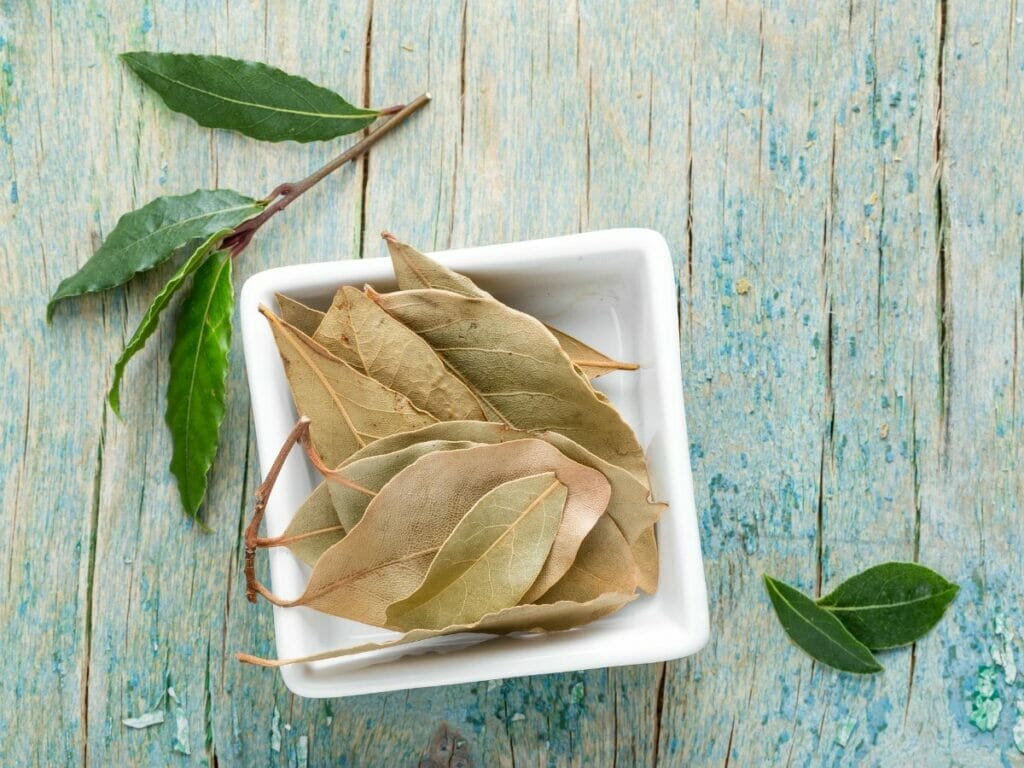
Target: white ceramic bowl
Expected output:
[614,290]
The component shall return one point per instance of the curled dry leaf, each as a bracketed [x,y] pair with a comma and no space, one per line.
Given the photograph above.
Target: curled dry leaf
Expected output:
[629,506]
[386,556]
[293,312]
[314,529]
[491,557]
[603,564]
[370,340]
[416,270]
[515,365]
[550,617]
[347,409]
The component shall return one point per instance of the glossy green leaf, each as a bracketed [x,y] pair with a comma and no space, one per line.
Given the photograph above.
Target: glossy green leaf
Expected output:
[245,96]
[152,316]
[512,363]
[146,237]
[817,632]
[196,389]
[491,557]
[892,604]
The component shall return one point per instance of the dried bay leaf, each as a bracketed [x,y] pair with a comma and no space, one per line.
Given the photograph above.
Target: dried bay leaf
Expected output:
[315,527]
[385,557]
[347,409]
[367,476]
[645,553]
[515,365]
[491,557]
[293,312]
[386,350]
[603,564]
[629,506]
[415,270]
[549,617]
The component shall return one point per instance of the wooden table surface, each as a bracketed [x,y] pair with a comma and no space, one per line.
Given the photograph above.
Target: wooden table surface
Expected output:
[842,188]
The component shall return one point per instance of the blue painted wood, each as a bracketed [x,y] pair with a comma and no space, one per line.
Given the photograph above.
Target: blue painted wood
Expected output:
[841,185]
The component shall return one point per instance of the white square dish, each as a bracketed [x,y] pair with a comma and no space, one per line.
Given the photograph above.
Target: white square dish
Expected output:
[613,289]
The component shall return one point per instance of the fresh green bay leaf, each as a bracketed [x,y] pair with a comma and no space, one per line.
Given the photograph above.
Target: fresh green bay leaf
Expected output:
[816,631]
[891,604]
[145,237]
[249,97]
[152,316]
[491,557]
[196,389]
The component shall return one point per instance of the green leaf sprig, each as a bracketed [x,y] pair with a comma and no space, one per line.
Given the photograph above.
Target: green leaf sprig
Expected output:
[887,606]
[207,229]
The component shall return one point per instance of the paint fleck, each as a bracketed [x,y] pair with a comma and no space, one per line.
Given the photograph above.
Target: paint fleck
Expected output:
[145,720]
[182,738]
[743,286]
[578,692]
[1002,649]
[275,731]
[844,729]
[516,717]
[302,752]
[14,192]
[147,19]
[984,705]
[162,179]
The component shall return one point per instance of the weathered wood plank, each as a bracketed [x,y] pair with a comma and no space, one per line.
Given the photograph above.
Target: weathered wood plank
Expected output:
[841,186]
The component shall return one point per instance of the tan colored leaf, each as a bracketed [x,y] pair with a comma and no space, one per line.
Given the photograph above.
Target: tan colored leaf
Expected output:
[365,477]
[315,528]
[373,342]
[415,270]
[550,617]
[645,552]
[629,504]
[346,408]
[306,319]
[491,557]
[515,365]
[603,564]
[385,557]
[589,360]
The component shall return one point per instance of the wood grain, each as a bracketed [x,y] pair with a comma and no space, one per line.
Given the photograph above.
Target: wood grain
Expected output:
[841,186]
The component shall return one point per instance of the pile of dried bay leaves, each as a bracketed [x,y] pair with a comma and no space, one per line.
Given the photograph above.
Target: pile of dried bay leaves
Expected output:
[474,480]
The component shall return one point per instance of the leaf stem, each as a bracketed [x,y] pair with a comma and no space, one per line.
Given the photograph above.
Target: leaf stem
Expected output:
[285,194]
